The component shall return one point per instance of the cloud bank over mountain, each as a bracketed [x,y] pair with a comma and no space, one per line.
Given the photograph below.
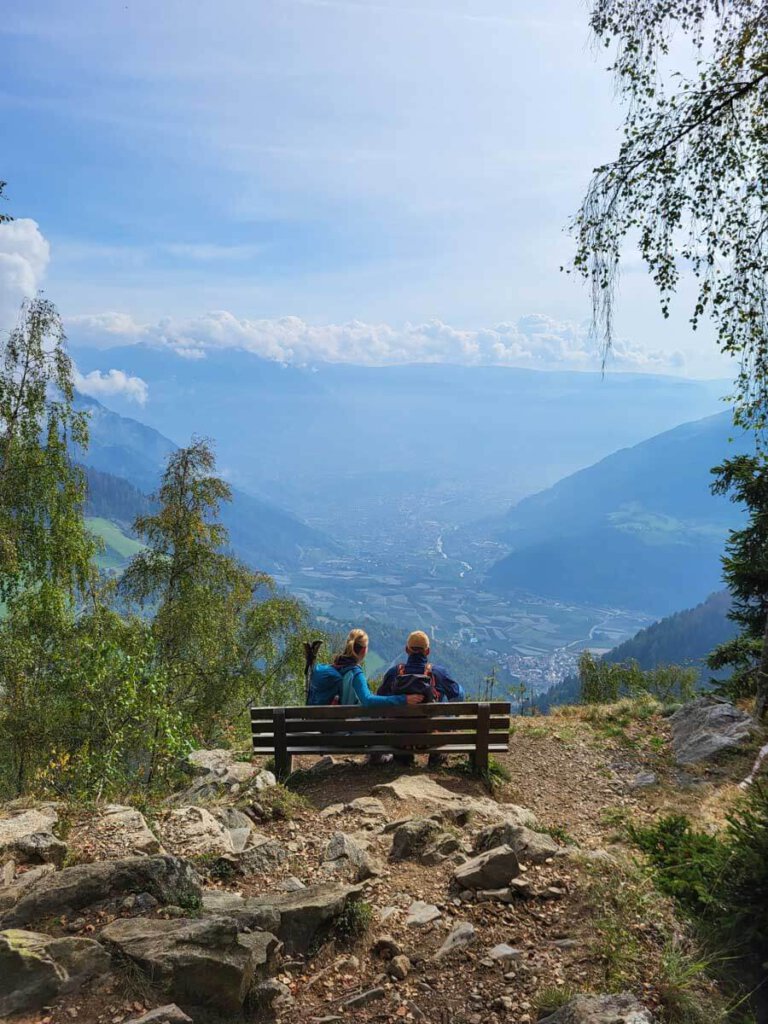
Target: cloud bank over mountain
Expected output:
[24,258]
[112,383]
[535,341]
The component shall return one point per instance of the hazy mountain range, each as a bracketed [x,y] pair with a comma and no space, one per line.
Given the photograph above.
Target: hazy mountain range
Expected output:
[326,439]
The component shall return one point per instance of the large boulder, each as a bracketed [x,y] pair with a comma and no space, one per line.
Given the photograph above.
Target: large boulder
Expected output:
[27,837]
[306,913]
[706,726]
[413,837]
[262,856]
[220,778]
[201,762]
[168,879]
[35,968]
[491,870]
[346,857]
[248,912]
[119,831]
[238,825]
[617,1009]
[530,847]
[203,961]
[194,832]
[420,789]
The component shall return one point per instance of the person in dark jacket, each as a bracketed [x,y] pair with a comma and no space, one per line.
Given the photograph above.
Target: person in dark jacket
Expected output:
[417,648]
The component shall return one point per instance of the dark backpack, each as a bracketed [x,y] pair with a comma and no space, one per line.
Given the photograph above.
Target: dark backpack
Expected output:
[422,683]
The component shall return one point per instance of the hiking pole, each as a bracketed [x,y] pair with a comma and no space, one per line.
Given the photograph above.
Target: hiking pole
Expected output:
[310,657]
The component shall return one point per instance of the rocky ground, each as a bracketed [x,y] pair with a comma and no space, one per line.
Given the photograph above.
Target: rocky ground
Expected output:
[365,893]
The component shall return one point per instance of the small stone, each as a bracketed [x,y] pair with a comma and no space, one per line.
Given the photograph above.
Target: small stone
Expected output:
[421,913]
[554,892]
[399,967]
[323,765]
[521,887]
[290,884]
[332,811]
[643,780]
[505,1003]
[565,943]
[364,998]
[505,952]
[462,935]
[169,1014]
[386,946]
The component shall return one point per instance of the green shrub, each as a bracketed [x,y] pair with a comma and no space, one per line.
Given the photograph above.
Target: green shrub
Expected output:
[354,921]
[686,862]
[720,881]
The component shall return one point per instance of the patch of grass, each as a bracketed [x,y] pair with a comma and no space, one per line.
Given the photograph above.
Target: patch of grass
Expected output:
[354,921]
[280,803]
[686,992]
[494,776]
[559,833]
[615,817]
[214,867]
[189,901]
[550,998]
[624,904]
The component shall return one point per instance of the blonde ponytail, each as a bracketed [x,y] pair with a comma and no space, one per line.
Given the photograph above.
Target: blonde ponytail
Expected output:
[356,643]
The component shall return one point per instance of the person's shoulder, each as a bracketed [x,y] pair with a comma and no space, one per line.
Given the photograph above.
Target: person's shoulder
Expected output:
[441,670]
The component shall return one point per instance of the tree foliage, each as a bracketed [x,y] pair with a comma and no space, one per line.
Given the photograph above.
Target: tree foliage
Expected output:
[604,683]
[689,181]
[4,217]
[43,539]
[745,568]
[98,698]
[222,633]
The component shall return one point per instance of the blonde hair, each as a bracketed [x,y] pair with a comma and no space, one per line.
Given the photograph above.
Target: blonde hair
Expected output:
[356,643]
[418,642]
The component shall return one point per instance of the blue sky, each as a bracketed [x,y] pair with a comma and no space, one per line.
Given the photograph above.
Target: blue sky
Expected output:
[395,173]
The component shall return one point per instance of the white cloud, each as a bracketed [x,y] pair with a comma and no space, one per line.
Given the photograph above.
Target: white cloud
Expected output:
[24,256]
[113,382]
[535,341]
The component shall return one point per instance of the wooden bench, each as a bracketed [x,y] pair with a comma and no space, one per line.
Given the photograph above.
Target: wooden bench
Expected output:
[477,729]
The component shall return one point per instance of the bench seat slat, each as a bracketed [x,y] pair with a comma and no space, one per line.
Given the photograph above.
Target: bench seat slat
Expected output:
[381,725]
[380,748]
[416,739]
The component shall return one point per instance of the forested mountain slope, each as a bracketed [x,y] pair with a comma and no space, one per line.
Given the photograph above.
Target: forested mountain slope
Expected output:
[685,638]
[640,529]
[124,462]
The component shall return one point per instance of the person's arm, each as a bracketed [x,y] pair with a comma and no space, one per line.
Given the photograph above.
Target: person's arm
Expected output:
[448,688]
[366,698]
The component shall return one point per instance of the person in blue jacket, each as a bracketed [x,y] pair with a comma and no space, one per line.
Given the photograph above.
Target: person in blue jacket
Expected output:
[344,681]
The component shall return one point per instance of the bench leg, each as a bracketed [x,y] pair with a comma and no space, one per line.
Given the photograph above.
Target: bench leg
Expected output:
[480,756]
[283,760]
[283,764]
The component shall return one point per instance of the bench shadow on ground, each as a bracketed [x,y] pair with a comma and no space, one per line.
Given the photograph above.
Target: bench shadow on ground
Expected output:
[351,778]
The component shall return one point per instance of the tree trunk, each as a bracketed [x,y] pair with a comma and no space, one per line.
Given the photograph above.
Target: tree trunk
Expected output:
[761,697]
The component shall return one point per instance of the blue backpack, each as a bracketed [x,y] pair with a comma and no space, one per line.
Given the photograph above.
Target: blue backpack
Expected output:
[328,686]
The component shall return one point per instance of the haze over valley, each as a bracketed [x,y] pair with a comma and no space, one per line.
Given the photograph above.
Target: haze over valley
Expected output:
[518,515]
